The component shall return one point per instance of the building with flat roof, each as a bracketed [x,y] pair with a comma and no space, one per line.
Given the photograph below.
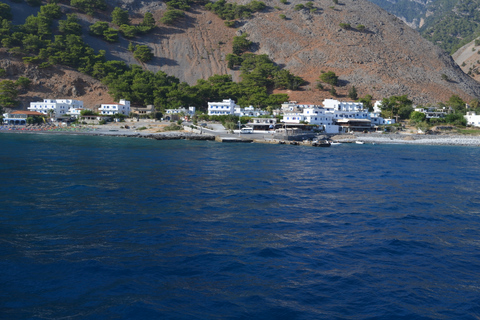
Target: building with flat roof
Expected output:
[122,107]
[226,107]
[55,107]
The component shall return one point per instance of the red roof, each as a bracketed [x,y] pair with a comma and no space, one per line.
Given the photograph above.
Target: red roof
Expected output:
[28,113]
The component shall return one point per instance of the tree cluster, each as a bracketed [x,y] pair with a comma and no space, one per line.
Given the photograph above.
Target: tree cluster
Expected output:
[232,11]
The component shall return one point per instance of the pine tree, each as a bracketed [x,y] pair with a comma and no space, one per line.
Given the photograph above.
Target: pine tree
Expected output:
[352,93]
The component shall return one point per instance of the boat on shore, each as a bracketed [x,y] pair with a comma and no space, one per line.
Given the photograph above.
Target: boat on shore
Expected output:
[359,142]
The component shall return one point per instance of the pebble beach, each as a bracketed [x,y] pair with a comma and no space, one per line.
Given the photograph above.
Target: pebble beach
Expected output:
[155,133]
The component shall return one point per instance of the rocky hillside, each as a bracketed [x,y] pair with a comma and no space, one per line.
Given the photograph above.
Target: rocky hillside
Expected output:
[449,24]
[468,58]
[56,82]
[384,57]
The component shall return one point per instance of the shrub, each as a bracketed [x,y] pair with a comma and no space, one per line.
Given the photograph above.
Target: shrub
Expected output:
[128,31]
[283,17]
[361,27]
[178,4]
[329,77]
[143,53]
[110,35]
[298,7]
[98,28]
[230,24]
[241,44]
[171,16]
[345,26]
[284,1]
[23,82]
[120,17]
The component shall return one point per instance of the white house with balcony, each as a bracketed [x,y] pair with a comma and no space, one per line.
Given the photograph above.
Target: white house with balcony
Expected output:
[226,107]
[56,107]
[122,107]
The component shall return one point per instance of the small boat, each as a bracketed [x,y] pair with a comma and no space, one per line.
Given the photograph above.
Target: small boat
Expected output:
[335,143]
[359,142]
[323,143]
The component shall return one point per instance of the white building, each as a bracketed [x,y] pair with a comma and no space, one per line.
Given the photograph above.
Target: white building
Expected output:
[188,112]
[58,107]
[122,107]
[75,112]
[312,115]
[250,112]
[473,119]
[432,113]
[335,116]
[225,107]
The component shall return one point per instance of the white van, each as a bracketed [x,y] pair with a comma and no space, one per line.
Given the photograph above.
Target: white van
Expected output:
[246,130]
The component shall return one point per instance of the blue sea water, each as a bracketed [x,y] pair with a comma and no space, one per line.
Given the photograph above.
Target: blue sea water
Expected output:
[124,228]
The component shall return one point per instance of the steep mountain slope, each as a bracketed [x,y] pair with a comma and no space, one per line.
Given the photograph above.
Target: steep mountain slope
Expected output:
[447,23]
[385,58]
[412,12]
[468,58]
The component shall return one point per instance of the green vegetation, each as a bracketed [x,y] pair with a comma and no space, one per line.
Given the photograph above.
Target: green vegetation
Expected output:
[417,117]
[171,16]
[345,26]
[283,17]
[120,17]
[329,77]
[71,25]
[143,53]
[101,29]
[8,94]
[171,127]
[89,6]
[232,11]
[178,4]
[23,82]
[298,7]
[5,11]
[367,102]
[148,21]
[396,106]
[241,44]
[230,24]
[352,93]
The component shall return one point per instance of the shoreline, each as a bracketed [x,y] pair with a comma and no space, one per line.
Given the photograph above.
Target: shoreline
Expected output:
[368,138]
[413,139]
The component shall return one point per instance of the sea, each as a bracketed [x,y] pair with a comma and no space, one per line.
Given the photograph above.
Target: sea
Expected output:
[126,228]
